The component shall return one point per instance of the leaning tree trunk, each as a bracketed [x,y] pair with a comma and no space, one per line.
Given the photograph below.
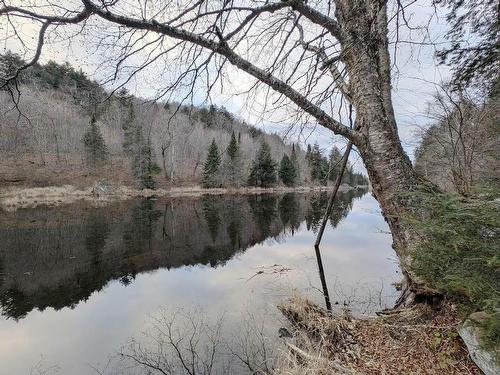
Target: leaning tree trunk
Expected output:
[365,53]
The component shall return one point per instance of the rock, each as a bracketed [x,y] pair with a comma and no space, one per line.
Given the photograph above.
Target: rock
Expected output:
[102,187]
[471,335]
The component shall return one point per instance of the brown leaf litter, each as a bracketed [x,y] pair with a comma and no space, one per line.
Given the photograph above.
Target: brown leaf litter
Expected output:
[416,340]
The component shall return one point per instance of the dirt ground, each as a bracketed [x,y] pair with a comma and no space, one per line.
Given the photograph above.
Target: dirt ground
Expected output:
[410,341]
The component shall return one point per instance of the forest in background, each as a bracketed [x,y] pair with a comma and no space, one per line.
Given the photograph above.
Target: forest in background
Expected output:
[460,149]
[69,130]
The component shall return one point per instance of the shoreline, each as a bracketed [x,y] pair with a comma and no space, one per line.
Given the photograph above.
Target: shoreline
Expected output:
[13,198]
[339,343]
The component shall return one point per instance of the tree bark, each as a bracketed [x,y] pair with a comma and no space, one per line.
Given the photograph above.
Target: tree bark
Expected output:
[365,53]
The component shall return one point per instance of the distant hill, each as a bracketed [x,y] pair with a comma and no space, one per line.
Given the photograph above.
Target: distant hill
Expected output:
[73,132]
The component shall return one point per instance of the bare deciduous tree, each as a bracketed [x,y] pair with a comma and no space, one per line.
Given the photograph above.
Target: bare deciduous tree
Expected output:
[458,150]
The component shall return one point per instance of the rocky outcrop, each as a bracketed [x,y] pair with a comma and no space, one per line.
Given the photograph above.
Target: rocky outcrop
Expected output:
[471,335]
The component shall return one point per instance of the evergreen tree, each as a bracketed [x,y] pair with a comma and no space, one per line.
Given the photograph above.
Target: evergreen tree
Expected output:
[128,120]
[334,159]
[308,154]
[211,167]
[263,171]
[233,148]
[287,171]
[143,166]
[295,162]
[318,164]
[135,145]
[232,163]
[9,63]
[95,147]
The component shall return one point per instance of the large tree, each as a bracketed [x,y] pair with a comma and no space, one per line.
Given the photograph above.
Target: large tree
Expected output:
[312,57]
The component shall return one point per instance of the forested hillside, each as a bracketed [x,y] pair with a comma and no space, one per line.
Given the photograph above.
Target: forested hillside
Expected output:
[71,131]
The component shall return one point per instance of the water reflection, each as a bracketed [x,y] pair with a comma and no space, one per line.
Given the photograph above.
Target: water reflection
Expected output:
[57,257]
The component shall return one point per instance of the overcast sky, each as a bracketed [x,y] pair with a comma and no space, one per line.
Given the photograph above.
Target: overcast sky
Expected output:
[415,73]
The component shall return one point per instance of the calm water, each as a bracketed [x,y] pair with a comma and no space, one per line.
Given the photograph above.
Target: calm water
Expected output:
[77,283]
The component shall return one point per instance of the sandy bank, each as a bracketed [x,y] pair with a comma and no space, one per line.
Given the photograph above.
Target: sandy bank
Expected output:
[14,198]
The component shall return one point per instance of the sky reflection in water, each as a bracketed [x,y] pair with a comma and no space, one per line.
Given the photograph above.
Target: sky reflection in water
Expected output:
[75,288]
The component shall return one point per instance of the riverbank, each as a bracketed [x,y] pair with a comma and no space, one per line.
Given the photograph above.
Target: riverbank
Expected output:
[417,340]
[14,198]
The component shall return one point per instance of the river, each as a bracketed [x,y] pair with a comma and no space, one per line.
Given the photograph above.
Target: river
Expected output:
[80,284]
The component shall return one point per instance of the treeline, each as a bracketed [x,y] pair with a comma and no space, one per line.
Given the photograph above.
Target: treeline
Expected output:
[72,131]
[326,169]
[266,172]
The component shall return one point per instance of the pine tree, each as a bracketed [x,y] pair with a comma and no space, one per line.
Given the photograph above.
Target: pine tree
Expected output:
[128,121]
[287,171]
[211,167]
[233,148]
[319,165]
[143,166]
[295,161]
[308,154]
[334,160]
[135,145]
[232,163]
[95,147]
[263,171]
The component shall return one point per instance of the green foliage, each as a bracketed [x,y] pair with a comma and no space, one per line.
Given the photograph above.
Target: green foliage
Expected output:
[287,171]
[295,161]
[135,145]
[211,167]
[143,166]
[255,132]
[52,75]
[9,63]
[335,158]
[476,58]
[95,147]
[263,170]
[233,148]
[318,164]
[460,253]
[233,163]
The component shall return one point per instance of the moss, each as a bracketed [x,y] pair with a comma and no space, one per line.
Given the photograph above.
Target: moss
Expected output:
[460,254]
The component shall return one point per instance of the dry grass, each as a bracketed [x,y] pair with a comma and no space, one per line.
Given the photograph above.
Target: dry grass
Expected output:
[14,197]
[410,341]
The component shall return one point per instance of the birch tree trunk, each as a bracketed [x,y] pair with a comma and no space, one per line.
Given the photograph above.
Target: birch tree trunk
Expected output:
[366,55]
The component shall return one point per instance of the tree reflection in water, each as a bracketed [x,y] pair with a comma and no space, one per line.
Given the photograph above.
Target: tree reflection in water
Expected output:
[51,257]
